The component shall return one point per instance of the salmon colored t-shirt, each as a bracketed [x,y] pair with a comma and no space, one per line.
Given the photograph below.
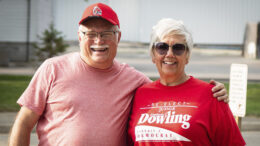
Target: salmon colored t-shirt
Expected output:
[80,105]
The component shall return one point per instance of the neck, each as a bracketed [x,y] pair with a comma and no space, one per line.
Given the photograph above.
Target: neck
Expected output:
[174,81]
[98,66]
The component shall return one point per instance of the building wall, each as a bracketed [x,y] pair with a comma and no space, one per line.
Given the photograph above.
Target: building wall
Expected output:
[13,14]
[13,26]
[129,16]
[42,16]
[67,14]
[210,21]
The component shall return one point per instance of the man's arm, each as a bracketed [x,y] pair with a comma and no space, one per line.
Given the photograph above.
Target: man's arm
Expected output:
[219,91]
[23,125]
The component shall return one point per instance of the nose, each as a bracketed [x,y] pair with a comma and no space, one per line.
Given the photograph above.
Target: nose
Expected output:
[98,39]
[170,53]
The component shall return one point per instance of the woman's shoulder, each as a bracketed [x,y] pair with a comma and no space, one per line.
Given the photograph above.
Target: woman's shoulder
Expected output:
[201,90]
[195,82]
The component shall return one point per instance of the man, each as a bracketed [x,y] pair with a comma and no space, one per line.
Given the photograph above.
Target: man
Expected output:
[82,98]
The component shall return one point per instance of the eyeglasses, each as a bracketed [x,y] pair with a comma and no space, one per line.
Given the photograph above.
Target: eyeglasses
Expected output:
[162,48]
[105,35]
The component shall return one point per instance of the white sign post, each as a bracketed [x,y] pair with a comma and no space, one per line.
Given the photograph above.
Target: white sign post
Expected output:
[237,90]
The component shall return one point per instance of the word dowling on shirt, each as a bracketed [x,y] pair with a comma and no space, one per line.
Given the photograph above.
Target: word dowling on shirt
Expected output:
[168,118]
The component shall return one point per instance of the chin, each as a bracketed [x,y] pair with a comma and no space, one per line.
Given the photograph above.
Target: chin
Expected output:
[169,72]
[99,59]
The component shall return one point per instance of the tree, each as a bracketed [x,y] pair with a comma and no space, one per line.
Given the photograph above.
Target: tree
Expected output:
[52,43]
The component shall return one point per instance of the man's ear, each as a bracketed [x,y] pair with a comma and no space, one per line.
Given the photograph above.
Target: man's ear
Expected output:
[79,37]
[119,36]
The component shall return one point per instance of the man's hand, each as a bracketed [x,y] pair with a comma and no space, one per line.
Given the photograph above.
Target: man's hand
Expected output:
[219,91]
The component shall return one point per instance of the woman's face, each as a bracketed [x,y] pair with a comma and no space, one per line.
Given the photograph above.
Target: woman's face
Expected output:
[170,64]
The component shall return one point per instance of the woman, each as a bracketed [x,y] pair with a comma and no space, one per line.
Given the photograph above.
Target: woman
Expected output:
[178,109]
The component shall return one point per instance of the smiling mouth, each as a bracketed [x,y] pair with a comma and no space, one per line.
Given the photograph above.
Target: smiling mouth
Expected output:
[169,63]
[99,49]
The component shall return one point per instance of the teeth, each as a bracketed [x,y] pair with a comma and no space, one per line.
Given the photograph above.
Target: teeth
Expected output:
[99,49]
[165,62]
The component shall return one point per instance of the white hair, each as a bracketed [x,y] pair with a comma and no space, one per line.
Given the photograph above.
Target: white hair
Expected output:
[166,27]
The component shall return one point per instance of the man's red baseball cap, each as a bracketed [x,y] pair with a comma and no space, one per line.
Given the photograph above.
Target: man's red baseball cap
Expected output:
[100,10]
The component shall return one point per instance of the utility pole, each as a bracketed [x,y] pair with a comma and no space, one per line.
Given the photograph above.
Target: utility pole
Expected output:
[28,30]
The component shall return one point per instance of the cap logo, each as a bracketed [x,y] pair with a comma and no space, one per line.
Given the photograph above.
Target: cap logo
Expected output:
[97,11]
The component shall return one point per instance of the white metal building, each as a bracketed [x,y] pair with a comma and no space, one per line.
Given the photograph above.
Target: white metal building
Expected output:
[218,22]
[211,21]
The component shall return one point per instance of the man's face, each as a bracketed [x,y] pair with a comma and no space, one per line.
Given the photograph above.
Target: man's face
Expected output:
[99,50]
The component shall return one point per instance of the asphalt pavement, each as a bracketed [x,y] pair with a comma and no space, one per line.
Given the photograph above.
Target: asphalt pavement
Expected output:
[204,64]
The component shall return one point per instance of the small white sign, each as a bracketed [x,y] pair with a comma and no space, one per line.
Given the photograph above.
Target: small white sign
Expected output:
[237,89]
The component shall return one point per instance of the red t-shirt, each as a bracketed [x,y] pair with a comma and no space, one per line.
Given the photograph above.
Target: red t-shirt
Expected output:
[186,114]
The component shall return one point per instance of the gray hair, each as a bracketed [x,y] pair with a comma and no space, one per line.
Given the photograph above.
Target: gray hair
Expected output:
[167,27]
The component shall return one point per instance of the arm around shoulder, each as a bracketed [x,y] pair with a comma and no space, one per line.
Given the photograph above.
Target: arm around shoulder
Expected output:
[219,91]
[23,125]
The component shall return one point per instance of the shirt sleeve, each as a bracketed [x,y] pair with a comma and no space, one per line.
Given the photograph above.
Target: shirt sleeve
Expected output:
[36,94]
[227,131]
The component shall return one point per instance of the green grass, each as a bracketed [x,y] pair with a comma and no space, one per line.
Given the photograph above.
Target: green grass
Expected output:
[253,99]
[11,88]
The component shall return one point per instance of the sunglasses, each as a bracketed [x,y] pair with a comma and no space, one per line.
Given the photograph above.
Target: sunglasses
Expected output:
[162,48]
